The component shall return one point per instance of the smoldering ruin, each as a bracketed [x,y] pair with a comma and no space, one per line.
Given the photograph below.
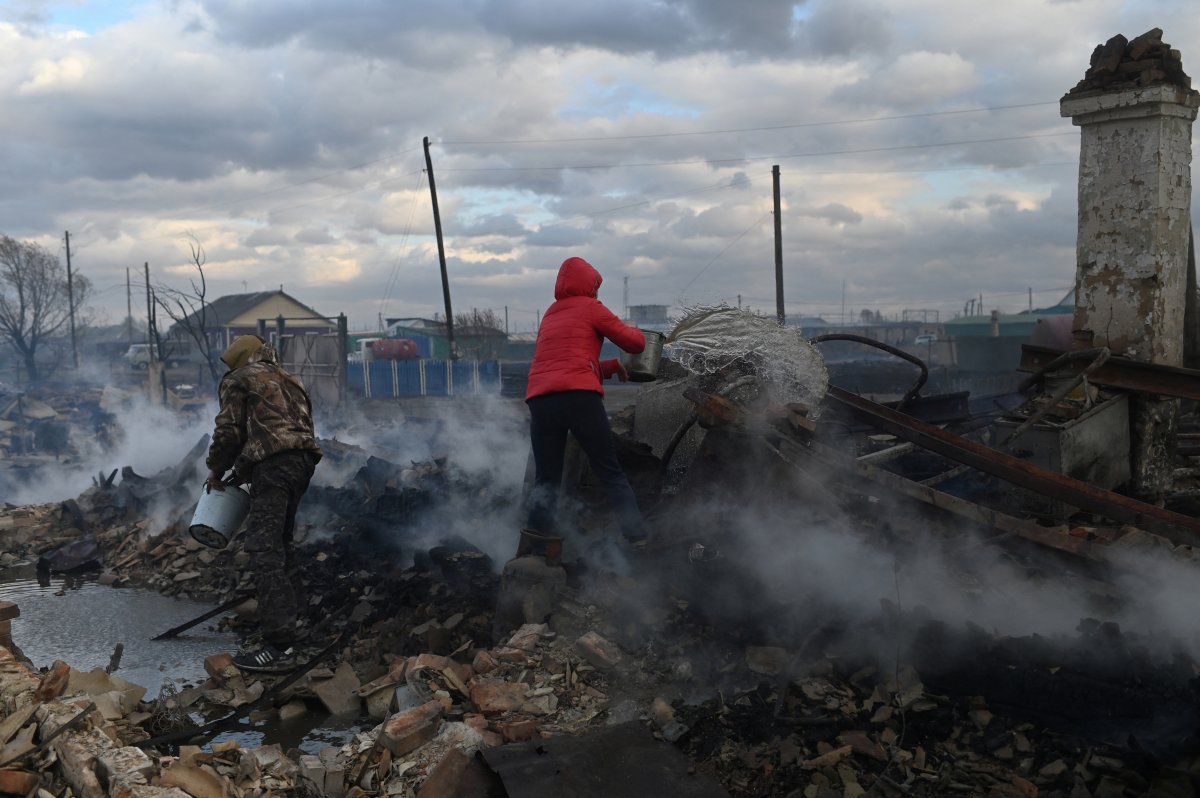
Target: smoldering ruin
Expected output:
[916,592]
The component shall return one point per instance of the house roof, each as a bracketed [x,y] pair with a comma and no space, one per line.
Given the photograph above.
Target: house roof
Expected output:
[223,310]
[417,323]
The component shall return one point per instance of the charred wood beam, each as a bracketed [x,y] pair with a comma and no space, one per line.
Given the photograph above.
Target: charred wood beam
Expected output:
[1175,527]
[945,476]
[852,473]
[1122,373]
[888,454]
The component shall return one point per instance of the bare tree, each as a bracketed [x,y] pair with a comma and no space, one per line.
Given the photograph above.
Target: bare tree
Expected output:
[480,333]
[34,302]
[190,311]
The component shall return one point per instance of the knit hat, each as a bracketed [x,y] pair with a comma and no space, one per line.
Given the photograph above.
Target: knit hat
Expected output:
[239,352]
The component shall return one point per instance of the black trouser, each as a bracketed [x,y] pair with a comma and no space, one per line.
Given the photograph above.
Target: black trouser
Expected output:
[582,413]
[276,486]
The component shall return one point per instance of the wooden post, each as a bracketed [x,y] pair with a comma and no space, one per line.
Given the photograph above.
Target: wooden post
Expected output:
[343,368]
[437,229]
[71,301]
[779,311]
[128,307]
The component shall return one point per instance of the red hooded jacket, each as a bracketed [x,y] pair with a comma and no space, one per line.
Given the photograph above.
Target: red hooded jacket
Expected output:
[567,357]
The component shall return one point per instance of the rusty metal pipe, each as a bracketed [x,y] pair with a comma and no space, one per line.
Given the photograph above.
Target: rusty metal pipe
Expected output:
[913,392]
[1176,527]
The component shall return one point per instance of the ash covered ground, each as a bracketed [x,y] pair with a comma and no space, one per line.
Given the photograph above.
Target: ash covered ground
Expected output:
[781,636]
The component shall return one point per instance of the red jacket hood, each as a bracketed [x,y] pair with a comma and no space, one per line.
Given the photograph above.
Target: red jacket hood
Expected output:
[577,277]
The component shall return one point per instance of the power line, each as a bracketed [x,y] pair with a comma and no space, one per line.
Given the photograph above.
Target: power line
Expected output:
[926,300]
[412,208]
[747,158]
[318,178]
[376,184]
[635,136]
[740,236]
[740,181]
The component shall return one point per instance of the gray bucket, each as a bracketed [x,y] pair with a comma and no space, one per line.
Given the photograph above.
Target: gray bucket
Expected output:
[643,367]
[219,514]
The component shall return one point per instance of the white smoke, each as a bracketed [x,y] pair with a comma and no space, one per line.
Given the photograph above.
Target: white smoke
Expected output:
[143,436]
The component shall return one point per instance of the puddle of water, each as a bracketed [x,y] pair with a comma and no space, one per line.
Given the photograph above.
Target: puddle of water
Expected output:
[309,733]
[80,622]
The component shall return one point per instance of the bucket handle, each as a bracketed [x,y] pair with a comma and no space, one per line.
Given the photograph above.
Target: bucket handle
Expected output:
[232,482]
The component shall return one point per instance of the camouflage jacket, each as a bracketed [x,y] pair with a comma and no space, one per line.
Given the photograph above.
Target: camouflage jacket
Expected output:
[264,411]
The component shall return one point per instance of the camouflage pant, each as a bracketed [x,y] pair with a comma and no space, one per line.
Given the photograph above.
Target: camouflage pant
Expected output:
[276,487]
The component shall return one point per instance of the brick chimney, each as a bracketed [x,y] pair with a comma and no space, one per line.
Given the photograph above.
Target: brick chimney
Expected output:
[1135,108]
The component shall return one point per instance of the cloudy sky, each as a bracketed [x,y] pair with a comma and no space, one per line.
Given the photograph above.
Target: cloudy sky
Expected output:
[922,154]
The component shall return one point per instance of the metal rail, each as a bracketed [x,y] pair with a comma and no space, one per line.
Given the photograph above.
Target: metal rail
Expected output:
[1174,526]
[1118,372]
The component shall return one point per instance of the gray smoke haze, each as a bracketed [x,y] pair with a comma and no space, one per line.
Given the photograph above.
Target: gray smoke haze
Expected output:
[847,571]
[144,436]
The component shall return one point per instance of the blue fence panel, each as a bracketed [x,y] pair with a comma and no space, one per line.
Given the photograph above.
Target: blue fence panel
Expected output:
[489,376]
[464,377]
[354,377]
[435,378]
[409,372]
[381,378]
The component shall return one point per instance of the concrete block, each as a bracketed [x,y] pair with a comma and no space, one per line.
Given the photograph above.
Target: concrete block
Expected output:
[599,652]
[496,696]
[220,667]
[518,729]
[124,767]
[407,731]
[18,782]
[292,710]
[339,693]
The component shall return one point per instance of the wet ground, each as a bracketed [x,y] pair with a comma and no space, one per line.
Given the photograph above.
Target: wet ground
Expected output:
[79,621]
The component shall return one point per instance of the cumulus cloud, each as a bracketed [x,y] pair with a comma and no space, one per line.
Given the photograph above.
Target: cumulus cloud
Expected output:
[287,137]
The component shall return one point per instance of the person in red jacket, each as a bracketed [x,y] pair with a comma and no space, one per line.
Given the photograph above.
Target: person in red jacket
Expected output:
[565,394]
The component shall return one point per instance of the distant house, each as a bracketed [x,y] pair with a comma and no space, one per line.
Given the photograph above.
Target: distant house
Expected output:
[475,341]
[227,317]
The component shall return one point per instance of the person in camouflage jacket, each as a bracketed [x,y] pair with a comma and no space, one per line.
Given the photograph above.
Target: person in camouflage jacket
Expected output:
[264,433]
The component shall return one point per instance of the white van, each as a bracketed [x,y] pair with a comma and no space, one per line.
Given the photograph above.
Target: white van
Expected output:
[178,353]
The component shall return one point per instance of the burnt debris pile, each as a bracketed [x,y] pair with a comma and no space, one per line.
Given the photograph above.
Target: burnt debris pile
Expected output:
[840,598]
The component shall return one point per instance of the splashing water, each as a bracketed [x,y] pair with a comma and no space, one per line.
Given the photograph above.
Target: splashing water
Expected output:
[711,339]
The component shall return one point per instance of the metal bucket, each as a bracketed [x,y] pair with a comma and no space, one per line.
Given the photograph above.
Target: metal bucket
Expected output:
[644,367]
[219,514]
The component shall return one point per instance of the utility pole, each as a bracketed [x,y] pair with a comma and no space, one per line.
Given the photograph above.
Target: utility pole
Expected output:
[1031,299]
[626,313]
[437,229]
[152,371]
[71,301]
[506,319]
[149,313]
[539,320]
[128,307]
[779,312]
